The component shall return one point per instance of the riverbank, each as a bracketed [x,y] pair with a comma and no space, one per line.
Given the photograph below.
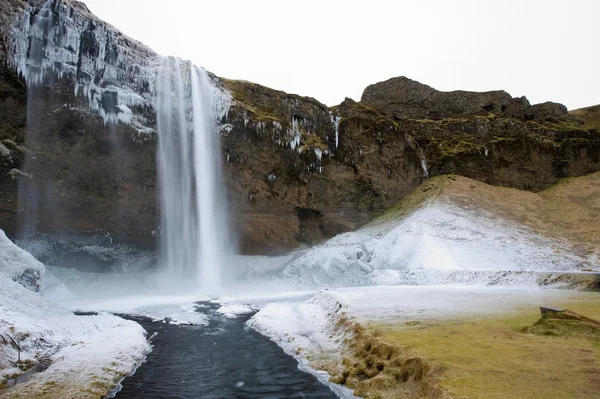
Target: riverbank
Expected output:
[79,356]
[438,341]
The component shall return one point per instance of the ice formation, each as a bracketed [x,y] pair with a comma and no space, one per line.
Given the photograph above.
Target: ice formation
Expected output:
[336,123]
[294,134]
[424,167]
[114,74]
[20,266]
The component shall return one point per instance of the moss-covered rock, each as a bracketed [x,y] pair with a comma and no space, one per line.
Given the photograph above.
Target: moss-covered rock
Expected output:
[566,324]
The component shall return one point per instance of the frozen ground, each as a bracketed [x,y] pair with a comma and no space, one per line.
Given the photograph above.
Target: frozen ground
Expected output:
[438,244]
[86,355]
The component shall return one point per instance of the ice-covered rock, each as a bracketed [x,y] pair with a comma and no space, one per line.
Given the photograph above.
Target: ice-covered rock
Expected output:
[114,74]
[19,265]
[85,356]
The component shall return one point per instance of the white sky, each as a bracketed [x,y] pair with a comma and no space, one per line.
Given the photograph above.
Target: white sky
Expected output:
[548,50]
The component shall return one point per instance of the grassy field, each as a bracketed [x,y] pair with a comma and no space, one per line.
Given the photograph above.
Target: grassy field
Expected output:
[497,358]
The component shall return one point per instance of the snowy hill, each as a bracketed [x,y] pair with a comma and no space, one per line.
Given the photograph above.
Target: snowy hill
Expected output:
[455,230]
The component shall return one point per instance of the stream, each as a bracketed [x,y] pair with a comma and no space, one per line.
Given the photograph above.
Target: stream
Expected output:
[225,359]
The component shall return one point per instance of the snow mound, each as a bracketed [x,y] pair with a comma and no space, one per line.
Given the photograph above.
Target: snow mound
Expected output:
[233,310]
[439,243]
[306,330]
[20,266]
[86,356]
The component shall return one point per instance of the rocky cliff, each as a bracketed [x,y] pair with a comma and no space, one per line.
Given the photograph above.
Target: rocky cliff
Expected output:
[77,127]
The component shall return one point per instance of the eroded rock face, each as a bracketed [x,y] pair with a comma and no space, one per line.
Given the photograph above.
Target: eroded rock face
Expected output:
[297,171]
[291,185]
[403,97]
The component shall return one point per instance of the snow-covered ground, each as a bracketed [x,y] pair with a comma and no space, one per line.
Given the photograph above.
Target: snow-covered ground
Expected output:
[438,244]
[86,355]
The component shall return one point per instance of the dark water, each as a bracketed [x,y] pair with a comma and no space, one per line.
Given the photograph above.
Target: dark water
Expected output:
[213,361]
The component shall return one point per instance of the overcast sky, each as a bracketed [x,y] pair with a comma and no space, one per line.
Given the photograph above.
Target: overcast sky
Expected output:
[548,50]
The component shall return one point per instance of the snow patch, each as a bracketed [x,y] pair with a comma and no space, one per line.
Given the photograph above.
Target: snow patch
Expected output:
[20,266]
[305,329]
[232,310]
[178,310]
[83,352]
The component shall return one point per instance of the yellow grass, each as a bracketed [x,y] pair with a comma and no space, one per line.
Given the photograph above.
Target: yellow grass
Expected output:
[492,358]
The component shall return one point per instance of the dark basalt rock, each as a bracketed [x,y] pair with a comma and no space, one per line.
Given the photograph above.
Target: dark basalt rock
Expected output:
[546,112]
[403,97]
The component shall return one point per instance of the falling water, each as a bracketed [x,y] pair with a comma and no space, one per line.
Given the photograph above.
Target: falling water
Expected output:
[35,193]
[193,222]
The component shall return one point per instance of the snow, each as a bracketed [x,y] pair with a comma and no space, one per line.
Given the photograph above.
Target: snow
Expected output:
[19,265]
[398,304]
[85,352]
[4,152]
[177,310]
[304,329]
[439,243]
[232,310]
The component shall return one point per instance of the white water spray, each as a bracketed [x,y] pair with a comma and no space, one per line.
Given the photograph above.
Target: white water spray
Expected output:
[194,233]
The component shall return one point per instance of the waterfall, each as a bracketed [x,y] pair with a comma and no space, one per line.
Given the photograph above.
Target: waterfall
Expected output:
[193,232]
[35,193]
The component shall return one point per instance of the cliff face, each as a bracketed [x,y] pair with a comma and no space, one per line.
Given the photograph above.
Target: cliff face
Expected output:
[297,172]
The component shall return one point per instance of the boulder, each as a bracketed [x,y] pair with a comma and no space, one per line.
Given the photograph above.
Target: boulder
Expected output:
[546,112]
[403,97]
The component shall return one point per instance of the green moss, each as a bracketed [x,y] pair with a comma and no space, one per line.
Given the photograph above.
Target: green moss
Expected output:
[421,196]
[246,95]
[311,141]
[455,146]
[359,107]
[566,324]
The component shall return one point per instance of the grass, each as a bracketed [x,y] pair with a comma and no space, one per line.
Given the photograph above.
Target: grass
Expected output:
[494,357]
[376,369]
[590,116]
[43,388]
[566,324]
[419,197]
